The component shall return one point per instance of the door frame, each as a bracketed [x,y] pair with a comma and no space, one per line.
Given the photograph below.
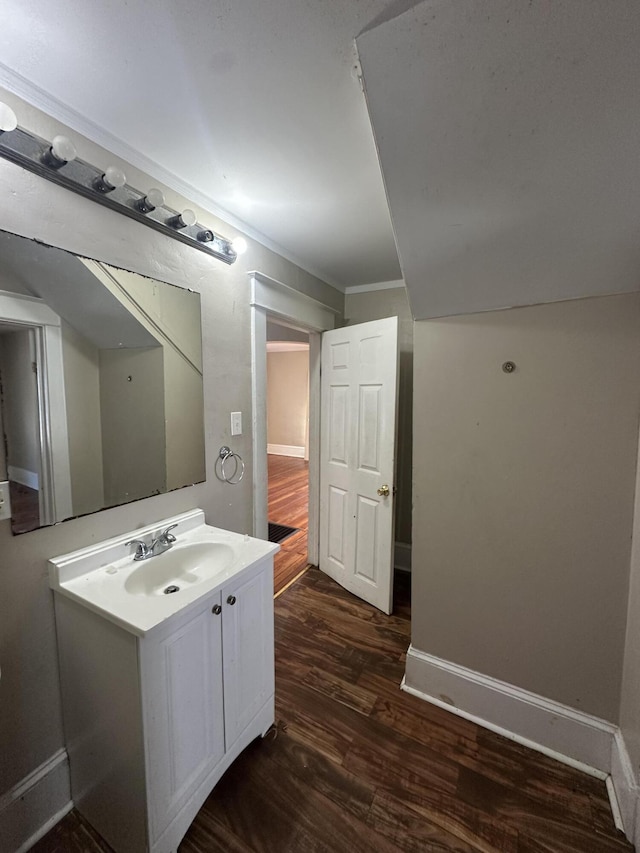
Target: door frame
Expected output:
[272,298]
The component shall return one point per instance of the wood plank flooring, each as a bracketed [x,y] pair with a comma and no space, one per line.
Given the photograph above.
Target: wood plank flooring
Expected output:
[356,765]
[289,504]
[25,509]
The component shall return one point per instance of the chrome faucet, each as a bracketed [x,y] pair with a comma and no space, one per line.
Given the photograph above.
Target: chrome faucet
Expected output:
[161,543]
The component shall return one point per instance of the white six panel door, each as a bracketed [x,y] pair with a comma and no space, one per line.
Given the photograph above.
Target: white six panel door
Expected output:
[357,458]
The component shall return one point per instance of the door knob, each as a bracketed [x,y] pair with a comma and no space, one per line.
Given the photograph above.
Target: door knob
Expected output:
[231,599]
[216,609]
[383,491]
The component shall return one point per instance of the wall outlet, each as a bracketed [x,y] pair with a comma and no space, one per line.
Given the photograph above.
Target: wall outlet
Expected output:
[5,503]
[236,423]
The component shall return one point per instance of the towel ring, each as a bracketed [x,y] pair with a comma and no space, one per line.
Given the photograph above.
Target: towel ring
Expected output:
[224,456]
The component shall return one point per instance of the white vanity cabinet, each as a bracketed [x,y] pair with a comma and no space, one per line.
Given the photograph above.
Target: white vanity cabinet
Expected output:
[152,722]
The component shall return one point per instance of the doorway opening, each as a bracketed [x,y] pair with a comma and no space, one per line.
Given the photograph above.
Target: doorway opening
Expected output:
[273,301]
[351,530]
[19,425]
[35,447]
[288,449]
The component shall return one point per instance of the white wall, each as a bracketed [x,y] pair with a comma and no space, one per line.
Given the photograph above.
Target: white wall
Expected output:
[523,494]
[30,713]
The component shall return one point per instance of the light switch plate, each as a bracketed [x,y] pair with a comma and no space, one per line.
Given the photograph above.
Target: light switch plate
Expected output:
[5,503]
[236,423]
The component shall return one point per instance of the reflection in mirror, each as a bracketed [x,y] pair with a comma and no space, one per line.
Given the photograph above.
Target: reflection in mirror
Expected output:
[101,397]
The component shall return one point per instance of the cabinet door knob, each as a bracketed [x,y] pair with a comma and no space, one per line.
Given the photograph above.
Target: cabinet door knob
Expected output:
[216,609]
[231,599]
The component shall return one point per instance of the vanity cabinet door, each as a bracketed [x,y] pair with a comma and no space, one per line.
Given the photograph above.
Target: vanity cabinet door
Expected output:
[181,670]
[247,625]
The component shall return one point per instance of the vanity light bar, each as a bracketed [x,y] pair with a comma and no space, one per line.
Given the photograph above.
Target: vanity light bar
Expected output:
[108,187]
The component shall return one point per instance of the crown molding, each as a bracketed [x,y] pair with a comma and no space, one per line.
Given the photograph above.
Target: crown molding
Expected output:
[378,285]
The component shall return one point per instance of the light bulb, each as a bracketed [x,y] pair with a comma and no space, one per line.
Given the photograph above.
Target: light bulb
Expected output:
[239,245]
[206,236]
[154,198]
[111,180]
[8,120]
[184,219]
[63,150]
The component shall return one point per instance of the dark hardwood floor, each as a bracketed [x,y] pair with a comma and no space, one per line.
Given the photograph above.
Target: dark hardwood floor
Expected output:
[289,504]
[356,765]
[25,508]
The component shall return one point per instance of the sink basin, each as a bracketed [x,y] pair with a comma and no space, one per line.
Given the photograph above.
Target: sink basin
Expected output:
[179,568]
[139,596]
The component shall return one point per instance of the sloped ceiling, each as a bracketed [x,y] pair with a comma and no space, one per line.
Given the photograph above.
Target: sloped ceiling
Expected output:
[509,138]
[73,292]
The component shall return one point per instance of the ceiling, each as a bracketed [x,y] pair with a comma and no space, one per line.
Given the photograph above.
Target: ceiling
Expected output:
[508,131]
[71,290]
[249,108]
[509,140]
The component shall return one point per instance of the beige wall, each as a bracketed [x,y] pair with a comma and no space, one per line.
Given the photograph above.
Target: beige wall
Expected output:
[10,283]
[133,427]
[523,494]
[82,396]
[375,305]
[630,699]
[30,718]
[172,315]
[276,332]
[185,452]
[3,458]
[287,398]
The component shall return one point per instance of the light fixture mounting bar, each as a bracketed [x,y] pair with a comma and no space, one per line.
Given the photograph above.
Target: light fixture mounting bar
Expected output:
[33,153]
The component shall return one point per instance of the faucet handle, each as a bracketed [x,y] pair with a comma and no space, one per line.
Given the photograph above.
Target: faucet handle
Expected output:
[166,537]
[142,549]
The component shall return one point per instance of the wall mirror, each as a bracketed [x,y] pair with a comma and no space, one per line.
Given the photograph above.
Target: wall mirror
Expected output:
[101,399]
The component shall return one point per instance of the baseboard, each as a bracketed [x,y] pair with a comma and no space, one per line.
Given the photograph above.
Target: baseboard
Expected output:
[286,450]
[22,476]
[627,792]
[35,804]
[557,730]
[402,557]
[613,802]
